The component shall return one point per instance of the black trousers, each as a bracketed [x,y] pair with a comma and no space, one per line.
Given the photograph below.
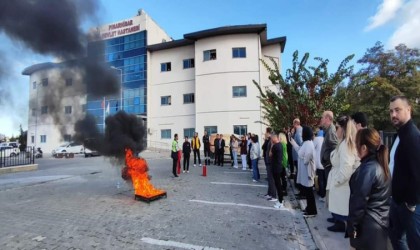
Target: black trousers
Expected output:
[221,157]
[174,163]
[187,161]
[321,182]
[216,156]
[277,182]
[310,199]
[283,180]
[327,172]
[197,152]
[207,156]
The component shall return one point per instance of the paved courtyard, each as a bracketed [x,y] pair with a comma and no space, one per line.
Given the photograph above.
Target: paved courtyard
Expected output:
[77,204]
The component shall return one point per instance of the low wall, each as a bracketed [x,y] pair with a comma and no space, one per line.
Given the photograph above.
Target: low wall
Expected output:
[15,169]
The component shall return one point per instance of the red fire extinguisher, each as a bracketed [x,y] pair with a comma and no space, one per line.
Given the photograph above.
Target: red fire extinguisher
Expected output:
[204,170]
[179,162]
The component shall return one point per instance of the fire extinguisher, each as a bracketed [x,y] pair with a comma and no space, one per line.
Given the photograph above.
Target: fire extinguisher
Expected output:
[205,167]
[179,162]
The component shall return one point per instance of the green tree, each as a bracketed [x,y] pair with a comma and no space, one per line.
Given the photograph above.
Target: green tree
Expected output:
[305,92]
[22,138]
[383,75]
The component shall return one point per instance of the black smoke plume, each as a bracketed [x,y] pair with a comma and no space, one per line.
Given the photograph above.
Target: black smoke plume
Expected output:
[48,26]
[122,131]
[53,27]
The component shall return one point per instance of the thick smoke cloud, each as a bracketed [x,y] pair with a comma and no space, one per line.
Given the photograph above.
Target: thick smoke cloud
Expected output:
[53,27]
[122,131]
[49,26]
[4,88]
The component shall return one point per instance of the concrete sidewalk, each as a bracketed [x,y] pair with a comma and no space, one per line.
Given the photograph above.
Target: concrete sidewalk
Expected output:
[317,225]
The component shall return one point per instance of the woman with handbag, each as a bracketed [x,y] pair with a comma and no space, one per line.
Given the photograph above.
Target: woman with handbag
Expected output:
[367,223]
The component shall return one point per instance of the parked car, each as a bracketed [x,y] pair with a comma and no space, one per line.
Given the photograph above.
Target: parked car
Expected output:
[9,151]
[71,147]
[11,144]
[88,151]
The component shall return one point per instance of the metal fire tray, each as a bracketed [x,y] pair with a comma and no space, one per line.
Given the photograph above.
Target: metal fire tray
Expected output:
[149,199]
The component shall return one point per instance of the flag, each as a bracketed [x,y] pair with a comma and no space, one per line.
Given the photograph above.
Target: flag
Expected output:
[107,109]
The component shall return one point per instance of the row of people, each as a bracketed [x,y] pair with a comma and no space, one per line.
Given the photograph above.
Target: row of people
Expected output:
[356,170]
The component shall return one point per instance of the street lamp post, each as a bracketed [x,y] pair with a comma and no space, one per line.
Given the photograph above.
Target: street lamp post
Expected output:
[121,85]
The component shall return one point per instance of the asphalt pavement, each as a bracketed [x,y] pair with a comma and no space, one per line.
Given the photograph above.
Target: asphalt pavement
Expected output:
[82,203]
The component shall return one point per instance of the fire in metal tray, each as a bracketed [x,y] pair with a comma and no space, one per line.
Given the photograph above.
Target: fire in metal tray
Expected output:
[136,171]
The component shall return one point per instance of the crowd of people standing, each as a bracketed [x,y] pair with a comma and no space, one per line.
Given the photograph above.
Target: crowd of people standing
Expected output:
[372,193]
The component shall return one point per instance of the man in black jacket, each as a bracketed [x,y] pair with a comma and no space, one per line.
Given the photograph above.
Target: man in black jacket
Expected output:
[221,148]
[186,151]
[216,150]
[206,143]
[404,165]
[276,155]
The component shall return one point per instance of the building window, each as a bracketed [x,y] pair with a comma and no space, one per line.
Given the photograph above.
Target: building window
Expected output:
[34,85]
[67,110]
[239,91]
[43,138]
[165,134]
[210,129]
[189,63]
[188,98]
[238,52]
[45,82]
[33,112]
[165,100]
[67,138]
[69,82]
[240,129]
[189,132]
[32,139]
[165,66]
[209,55]
[44,110]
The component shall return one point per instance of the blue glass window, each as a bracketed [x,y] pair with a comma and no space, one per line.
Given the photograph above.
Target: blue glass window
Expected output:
[189,98]
[165,134]
[165,100]
[166,66]
[189,132]
[239,91]
[240,129]
[209,55]
[188,63]
[210,129]
[238,52]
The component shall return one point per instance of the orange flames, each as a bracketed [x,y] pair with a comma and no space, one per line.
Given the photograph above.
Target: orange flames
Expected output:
[137,170]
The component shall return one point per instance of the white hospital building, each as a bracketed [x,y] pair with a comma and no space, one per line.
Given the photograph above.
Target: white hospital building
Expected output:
[203,81]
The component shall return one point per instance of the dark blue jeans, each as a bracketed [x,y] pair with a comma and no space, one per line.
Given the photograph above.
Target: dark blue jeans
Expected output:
[404,226]
[255,170]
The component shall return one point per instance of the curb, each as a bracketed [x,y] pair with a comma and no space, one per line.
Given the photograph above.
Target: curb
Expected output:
[15,169]
[309,222]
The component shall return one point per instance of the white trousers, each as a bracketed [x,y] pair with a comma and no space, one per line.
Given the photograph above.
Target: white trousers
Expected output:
[244,165]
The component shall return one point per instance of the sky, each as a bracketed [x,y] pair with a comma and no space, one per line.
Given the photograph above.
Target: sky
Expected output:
[331,29]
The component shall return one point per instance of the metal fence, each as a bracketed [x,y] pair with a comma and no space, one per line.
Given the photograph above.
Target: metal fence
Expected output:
[26,157]
[387,138]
